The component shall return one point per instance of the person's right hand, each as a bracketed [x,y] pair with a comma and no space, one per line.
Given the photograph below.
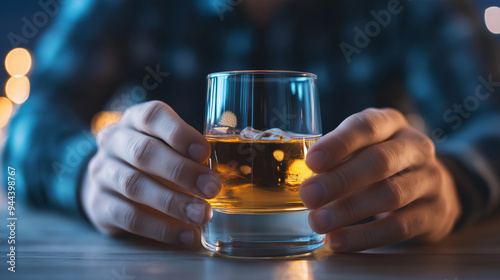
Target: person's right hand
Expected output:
[147,177]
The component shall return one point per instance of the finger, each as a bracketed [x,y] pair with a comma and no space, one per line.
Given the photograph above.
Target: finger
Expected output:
[159,120]
[411,221]
[141,188]
[151,155]
[387,195]
[360,130]
[375,163]
[134,218]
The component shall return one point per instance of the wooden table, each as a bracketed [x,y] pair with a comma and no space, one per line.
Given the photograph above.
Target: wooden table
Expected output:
[52,246]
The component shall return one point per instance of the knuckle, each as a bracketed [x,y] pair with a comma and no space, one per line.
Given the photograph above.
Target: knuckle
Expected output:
[440,206]
[152,110]
[130,220]
[165,233]
[434,174]
[95,166]
[167,202]
[351,209]
[105,134]
[367,238]
[110,170]
[368,123]
[447,215]
[171,127]
[96,205]
[427,146]
[129,183]
[371,110]
[345,145]
[100,138]
[124,217]
[142,150]
[128,112]
[344,180]
[105,224]
[395,194]
[176,170]
[404,227]
[395,114]
[382,159]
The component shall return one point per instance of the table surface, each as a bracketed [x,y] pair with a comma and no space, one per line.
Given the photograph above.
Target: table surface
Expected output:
[53,246]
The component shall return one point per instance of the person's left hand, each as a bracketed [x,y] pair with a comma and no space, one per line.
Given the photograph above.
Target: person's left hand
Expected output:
[375,163]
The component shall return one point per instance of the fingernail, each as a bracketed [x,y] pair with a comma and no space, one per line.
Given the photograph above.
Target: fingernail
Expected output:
[196,212]
[317,160]
[312,194]
[321,220]
[198,151]
[208,184]
[337,243]
[186,237]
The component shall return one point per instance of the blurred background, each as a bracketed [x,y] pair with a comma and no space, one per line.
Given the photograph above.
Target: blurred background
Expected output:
[23,22]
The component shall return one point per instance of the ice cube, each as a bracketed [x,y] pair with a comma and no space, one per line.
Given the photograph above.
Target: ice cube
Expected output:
[224,130]
[271,134]
[249,133]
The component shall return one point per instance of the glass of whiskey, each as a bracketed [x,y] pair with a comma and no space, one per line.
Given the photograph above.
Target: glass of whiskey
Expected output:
[260,125]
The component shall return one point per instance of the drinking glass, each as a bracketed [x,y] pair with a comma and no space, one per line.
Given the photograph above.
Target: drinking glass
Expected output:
[260,125]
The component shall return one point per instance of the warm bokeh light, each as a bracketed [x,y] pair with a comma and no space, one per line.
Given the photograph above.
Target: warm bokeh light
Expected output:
[229,171]
[18,89]
[5,111]
[298,172]
[245,169]
[103,119]
[492,19]
[279,155]
[229,119]
[18,62]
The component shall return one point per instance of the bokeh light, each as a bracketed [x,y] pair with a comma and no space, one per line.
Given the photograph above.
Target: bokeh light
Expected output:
[298,172]
[492,19]
[18,62]
[245,169]
[279,155]
[103,119]
[229,119]
[18,89]
[5,111]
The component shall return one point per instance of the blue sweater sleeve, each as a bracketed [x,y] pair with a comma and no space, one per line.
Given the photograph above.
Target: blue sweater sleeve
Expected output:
[49,139]
[49,147]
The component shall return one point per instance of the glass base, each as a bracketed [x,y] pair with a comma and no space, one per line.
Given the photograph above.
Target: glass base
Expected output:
[260,235]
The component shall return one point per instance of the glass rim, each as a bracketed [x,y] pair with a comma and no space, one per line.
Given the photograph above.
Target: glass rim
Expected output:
[292,74]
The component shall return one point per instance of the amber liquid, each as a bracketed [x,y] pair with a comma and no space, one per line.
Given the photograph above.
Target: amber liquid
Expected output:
[260,176]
